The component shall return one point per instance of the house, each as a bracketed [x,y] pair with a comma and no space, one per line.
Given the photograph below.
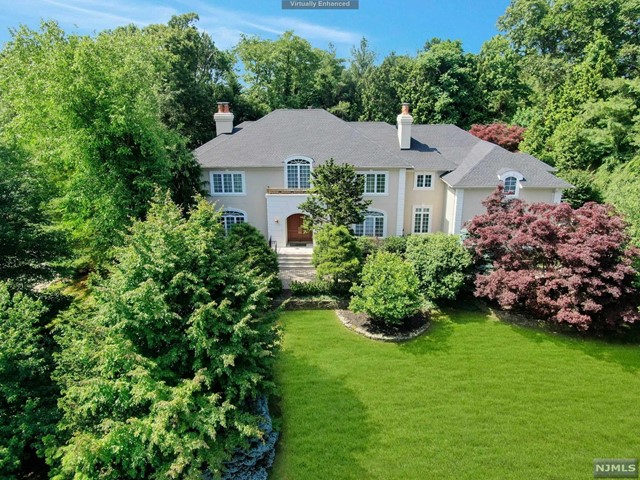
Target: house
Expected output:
[420,178]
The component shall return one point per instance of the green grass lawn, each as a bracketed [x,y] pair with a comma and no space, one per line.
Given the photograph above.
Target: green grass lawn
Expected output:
[473,398]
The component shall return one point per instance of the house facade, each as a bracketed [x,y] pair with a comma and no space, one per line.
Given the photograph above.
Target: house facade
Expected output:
[419,178]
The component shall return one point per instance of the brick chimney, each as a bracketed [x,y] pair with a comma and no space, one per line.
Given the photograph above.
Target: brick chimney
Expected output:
[404,127]
[223,118]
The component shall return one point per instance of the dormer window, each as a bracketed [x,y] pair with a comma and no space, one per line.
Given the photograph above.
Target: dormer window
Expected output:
[511,181]
[510,185]
[298,173]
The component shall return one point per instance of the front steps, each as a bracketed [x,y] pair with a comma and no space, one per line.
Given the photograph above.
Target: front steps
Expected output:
[295,264]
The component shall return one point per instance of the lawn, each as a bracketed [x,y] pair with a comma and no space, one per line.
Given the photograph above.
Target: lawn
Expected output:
[474,398]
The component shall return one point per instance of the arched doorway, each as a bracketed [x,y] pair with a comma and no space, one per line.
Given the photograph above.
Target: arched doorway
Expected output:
[295,232]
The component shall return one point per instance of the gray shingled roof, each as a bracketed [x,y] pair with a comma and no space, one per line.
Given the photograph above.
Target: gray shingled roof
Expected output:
[485,161]
[315,133]
[421,156]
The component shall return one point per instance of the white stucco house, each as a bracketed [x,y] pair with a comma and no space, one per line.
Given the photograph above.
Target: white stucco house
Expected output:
[420,178]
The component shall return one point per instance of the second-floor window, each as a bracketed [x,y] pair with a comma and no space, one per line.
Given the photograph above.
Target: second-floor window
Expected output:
[298,173]
[374,183]
[227,183]
[510,185]
[424,181]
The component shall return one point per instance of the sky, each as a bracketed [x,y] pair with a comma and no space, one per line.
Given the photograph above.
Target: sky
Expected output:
[401,26]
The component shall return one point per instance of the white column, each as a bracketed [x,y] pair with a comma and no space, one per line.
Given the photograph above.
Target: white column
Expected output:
[458,206]
[557,195]
[402,182]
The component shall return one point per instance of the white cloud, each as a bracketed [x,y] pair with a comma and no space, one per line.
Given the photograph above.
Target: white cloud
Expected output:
[94,15]
[225,25]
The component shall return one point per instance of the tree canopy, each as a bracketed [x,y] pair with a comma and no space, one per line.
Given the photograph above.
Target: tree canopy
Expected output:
[335,196]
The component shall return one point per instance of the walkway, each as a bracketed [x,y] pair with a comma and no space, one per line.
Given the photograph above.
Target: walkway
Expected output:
[295,264]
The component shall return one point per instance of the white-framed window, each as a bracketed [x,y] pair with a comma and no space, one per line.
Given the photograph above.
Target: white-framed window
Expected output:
[227,183]
[298,173]
[232,217]
[510,185]
[511,181]
[421,219]
[423,181]
[373,225]
[375,183]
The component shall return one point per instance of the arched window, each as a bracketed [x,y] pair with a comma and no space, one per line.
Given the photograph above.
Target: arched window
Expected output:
[510,185]
[231,217]
[298,173]
[373,225]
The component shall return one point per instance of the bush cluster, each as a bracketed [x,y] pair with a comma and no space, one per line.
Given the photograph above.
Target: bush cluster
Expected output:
[441,263]
[388,291]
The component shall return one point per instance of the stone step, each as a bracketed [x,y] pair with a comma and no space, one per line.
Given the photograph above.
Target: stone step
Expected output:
[295,264]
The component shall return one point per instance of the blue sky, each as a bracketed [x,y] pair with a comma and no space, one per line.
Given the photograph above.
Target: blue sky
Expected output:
[393,25]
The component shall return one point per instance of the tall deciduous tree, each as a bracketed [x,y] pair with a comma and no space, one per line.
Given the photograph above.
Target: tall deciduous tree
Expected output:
[383,89]
[30,245]
[279,73]
[197,75]
[335,196]
[185,351]
[500,77]
[507,136]
[442,86]
[563,28]
[87,112]
[569,266]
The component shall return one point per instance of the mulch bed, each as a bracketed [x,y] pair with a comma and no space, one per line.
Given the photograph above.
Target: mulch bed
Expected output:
[362,324]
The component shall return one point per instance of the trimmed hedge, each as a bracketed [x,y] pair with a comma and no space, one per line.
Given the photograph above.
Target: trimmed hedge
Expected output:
[309,289]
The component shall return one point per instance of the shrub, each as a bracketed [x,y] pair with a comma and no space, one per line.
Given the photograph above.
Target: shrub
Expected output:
[336,255]
[249,246]
[186,346]
[389,289]
[441,263]
[395,245]
[309,289]
[568,266]
[367,246]
[508,137]
[252,463]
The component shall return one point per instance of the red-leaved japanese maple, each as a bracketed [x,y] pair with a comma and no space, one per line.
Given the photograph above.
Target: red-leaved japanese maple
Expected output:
[507,136]
[568,265]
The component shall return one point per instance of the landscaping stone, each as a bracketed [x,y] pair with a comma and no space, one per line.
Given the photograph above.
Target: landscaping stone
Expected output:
[360,323]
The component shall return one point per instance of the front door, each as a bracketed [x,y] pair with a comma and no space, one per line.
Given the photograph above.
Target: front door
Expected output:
[295,232]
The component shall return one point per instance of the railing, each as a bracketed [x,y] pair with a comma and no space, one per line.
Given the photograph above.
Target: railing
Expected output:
[273,245]
[287,191]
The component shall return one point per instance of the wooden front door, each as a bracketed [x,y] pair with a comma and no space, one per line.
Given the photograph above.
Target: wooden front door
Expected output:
[295,233]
